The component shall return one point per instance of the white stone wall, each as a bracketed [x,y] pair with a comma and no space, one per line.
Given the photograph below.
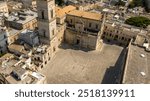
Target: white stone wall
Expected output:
[87,41]
[4,8]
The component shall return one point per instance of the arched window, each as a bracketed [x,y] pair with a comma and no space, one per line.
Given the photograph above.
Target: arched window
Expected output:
[52,13]
[54,49]
[122,38]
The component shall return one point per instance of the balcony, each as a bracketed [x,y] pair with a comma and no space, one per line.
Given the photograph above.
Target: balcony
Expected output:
[85,32]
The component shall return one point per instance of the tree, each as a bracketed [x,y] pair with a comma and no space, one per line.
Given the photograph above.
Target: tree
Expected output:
[147,5]
[138,21]
[142,3]
[120,3]
[136,3]
[59,2]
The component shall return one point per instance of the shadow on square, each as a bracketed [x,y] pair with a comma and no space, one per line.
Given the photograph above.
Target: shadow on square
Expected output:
[113,74]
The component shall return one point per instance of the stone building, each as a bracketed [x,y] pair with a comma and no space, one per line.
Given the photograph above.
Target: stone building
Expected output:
[29,37]
[61,14]
[7,37]
[21,20]
[41,55]
[120,33]
[87,6]
[47,24]
[3,40]
[29,3]
[14,5]
[17,49]
[83,28]
[23,77]
[4,8]
[19,70]
[12,35]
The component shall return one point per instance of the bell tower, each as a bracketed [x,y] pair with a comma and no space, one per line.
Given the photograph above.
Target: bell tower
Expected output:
[46,20]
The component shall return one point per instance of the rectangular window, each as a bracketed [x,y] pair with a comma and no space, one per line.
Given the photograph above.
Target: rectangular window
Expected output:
[4,36]
[90,24]
[71,21]
[6,42]
[96,26]
[53,32]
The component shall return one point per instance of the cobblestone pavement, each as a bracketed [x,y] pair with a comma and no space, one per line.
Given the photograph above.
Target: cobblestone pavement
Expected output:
[71,66]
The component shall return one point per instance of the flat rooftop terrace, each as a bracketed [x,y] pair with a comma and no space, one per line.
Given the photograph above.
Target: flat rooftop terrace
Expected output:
[138,66]
[76,66]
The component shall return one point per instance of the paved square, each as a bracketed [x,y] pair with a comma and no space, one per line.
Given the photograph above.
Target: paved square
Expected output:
[77,66]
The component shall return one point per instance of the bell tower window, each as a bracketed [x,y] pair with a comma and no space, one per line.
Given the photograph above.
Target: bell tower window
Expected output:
[51,13]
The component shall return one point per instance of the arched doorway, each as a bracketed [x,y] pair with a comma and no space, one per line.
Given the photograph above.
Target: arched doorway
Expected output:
[116,37]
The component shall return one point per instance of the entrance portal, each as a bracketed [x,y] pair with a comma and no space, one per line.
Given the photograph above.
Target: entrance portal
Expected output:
[77,42]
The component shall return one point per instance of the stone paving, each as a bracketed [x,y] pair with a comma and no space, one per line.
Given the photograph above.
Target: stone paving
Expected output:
[71,66]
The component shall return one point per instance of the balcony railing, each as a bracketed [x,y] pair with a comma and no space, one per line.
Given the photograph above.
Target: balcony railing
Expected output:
[86,31]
